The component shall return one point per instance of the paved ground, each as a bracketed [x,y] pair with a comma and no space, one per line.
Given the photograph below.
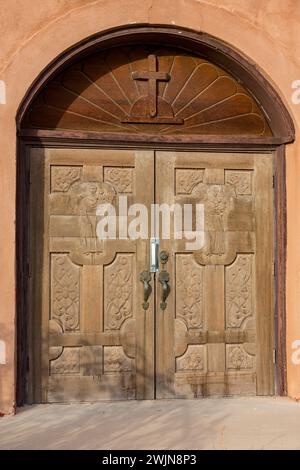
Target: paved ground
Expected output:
[229,423]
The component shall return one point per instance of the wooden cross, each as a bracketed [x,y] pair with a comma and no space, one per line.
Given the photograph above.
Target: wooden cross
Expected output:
[153,76]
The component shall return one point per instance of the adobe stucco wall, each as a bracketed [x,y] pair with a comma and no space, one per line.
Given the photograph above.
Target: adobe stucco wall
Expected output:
[34,32]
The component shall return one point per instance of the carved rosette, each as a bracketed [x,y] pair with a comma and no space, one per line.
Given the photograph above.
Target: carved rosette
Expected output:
[194,359]
[239,291]
[120,178]
[241,180]
[62,177]
[65,292]
[68,363]
[187,180]
[189,291]
[115,360]
[237,358]
[118,282]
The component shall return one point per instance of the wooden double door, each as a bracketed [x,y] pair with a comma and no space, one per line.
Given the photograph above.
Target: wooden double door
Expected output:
[103,326]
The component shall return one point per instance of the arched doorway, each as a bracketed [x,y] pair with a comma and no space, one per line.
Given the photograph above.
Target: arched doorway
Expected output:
[184,123]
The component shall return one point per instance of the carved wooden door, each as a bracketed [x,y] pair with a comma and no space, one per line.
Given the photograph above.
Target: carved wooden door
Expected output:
[211,334]
[91,337]
[215,336]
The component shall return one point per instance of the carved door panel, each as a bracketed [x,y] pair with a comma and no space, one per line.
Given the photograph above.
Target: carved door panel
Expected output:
[91,337]
[215,336]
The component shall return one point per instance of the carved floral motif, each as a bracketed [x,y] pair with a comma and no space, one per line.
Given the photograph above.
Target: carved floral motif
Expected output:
[115,360]
[62,177]
[65,292]
[192,360]
[237,358]
[239,291]
[189,291]
[118,279]
[120,178]
[67,363]
[187,179]
[241,180]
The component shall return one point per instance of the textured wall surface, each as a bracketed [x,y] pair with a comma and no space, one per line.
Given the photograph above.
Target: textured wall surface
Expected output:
[265,31]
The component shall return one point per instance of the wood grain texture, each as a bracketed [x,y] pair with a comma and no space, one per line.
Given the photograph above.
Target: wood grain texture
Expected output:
[215,336]
[227,350]
[165,324]
[147,89]
[36,273]
[280,268]
[23,320]
[264,274]
[203,44]
[91,339]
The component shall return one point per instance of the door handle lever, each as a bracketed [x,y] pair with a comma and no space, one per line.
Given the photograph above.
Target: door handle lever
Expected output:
[145,278]
[164,279]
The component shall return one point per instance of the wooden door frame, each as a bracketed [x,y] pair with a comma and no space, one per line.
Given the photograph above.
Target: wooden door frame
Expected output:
[212,49]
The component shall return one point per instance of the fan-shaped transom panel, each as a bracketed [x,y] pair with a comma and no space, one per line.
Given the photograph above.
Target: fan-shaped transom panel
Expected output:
[147,90]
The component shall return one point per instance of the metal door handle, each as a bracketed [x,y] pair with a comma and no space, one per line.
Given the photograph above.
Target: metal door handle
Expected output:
[164,279]
[154,247]
[145,278]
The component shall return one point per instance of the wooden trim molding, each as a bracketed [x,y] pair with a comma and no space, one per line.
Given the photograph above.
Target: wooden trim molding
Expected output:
[22,272]
[151,139]
[280,268]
